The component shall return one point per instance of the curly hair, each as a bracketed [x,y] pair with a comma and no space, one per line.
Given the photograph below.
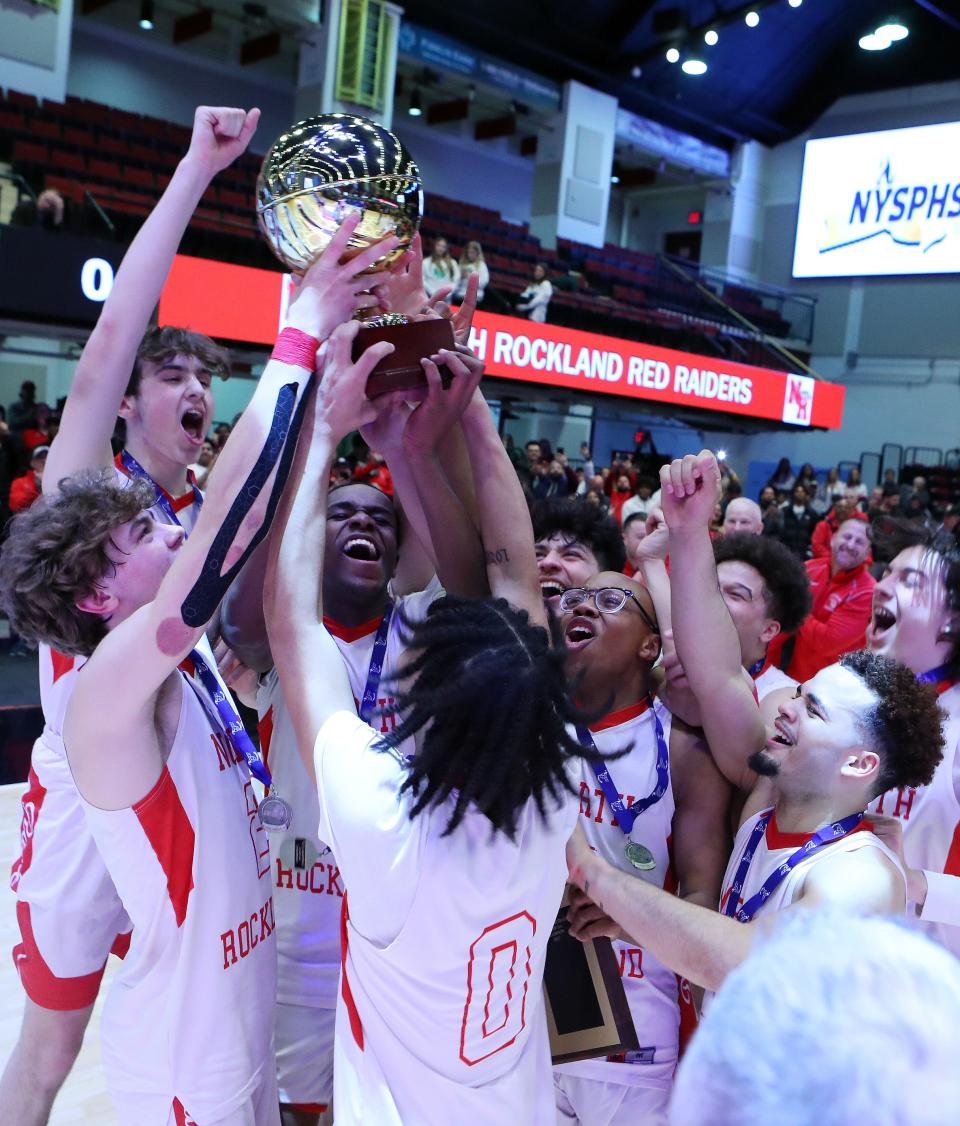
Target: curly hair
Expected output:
[163,343]
[577,520]
[788,587]
[56,552]
[904,726]
[490,695]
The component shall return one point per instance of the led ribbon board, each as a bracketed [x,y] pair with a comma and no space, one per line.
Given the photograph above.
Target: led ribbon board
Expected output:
[876,204]
[243,304]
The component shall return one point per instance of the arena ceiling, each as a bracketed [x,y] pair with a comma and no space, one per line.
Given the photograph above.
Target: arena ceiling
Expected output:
[767,82]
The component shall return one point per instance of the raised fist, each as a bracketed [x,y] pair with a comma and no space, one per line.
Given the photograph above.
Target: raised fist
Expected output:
[220,135]
[690,489]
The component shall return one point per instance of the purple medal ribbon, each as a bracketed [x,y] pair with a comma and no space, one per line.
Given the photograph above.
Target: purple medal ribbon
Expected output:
[934,676]
[135,469]
[626,815]
[836,831]
[236,733]
[369,698]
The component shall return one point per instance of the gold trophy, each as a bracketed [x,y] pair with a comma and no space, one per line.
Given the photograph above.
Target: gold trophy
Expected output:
[316,174]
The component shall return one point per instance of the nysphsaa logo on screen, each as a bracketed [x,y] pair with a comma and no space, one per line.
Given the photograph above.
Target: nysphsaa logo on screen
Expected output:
[880,203]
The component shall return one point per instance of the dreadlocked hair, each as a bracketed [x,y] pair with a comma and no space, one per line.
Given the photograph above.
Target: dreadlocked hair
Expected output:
[575,519]
[489,691]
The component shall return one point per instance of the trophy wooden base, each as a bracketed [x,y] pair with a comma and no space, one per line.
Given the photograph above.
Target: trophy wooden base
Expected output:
[401,370]
[588,1015]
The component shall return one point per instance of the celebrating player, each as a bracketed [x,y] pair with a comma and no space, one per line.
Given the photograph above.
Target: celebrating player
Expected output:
[668,828]
[454,856]
[574,542]
[68,911]
[844,738]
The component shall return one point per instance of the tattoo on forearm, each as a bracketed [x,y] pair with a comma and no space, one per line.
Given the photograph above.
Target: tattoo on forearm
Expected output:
[498,556]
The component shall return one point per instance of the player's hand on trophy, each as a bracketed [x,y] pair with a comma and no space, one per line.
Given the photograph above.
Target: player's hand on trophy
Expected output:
[342,404]
[330,292]
[587,921]
[403,290]
[690,488]
[220,135]
[428,423]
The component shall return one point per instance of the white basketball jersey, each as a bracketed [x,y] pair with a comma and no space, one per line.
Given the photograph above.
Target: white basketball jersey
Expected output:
[931,814]
[774,848]
[651,988]
[441,1013]
[770,678]
[57,670]
[308,887]
[190,1015]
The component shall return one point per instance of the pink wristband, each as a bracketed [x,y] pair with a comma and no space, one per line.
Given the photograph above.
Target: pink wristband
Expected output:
[296,348]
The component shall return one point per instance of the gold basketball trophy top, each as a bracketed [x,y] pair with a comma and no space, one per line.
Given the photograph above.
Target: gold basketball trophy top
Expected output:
[317,173]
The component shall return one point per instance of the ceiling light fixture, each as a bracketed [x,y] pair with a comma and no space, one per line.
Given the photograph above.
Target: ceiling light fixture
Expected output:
[794,3]
[673,55]
[693,66]
[146,15]
[710,37]
[893,31]
[416,109]
[751,19]
[636,72]
[614,179]
[873,42]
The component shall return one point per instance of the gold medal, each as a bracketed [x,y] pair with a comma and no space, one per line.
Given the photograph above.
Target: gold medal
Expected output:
[640,856]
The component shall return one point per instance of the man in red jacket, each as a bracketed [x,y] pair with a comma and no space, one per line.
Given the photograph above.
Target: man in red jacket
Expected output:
[843,509]
[25,490]
[842,598]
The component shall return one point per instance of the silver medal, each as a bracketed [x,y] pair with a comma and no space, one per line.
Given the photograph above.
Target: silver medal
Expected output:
[275,813]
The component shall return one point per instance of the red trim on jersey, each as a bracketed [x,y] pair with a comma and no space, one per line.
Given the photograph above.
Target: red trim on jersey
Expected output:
[777,838]
[187,666]
[40,983]
[356,1025]
[30,806]
[62,663]
[307,1108]
[265,731]
[621,715]
[181,1116]
[952,865]
[178,504]
[351,633]
[168,829]
[121,945]
[946,684]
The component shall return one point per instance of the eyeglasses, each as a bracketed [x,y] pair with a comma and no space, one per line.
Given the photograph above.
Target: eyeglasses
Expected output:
[607,599]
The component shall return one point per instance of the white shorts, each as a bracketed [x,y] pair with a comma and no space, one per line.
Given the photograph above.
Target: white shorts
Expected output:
[594,1103]
[68,910]
[305,1055]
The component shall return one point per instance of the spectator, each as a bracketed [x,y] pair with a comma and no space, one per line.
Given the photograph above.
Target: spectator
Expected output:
[782,477]
[716,521]
[874,503]
[587,456]
[204,463]
[642,502]
[844,508]
[770,513]
[23,413]
[536,297]
[596,485]
[855,485]
[918,489]
[471,262]
[831,487]
[799,521]
[597,499]
[221,433]
[842,602]
[47,211]
[951,521]
[552,483]
[619,495]
[890,504]
[808,478]
[25,490]
[374,471]
[915,509]
[440,270]
[743,515]
[634,532]
[43,431]
[890,1054]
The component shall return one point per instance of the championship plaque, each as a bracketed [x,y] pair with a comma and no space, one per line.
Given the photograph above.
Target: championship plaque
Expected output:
[587,1011]
[317,173]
